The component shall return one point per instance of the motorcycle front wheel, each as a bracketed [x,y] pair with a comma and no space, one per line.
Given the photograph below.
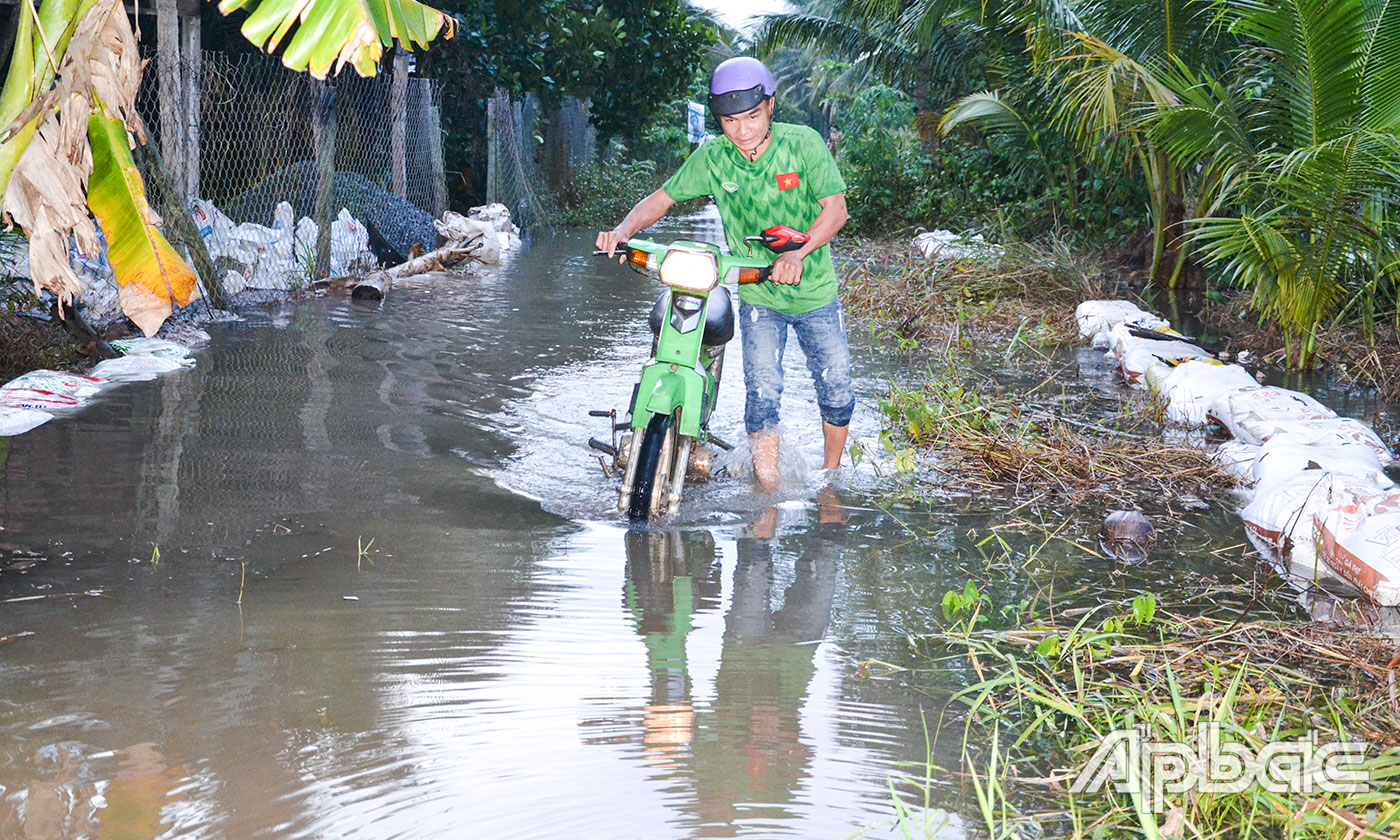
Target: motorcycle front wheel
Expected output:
[653,468]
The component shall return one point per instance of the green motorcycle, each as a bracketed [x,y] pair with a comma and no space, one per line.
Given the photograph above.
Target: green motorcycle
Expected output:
[671,404]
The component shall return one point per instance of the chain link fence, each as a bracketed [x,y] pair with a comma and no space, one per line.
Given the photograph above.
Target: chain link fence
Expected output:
[522,134]
[257,144]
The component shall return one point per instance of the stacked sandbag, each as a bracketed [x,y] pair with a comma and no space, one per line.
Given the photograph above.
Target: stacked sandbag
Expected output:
[1096,318]
[1322,503]
[34,398]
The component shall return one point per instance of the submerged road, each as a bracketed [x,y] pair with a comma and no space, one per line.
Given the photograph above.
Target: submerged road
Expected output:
[357,574]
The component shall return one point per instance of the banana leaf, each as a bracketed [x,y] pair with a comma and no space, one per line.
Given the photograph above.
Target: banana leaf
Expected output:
[337,32]
[151,276]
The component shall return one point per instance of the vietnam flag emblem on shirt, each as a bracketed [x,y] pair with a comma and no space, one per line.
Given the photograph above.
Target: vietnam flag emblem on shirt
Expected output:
[787,181]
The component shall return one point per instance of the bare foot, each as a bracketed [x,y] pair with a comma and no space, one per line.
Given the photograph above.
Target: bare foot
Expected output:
[829,507]
[766,525]
[765,460]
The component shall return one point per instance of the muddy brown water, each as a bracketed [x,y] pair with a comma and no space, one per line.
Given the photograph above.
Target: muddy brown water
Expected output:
[392,597]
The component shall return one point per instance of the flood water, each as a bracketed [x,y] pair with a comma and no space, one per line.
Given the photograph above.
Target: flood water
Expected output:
[356,574]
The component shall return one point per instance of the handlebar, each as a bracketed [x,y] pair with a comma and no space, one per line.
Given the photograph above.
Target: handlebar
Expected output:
[639,252]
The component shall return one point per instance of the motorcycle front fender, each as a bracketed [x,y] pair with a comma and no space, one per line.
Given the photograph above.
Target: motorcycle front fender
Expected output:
[663,390]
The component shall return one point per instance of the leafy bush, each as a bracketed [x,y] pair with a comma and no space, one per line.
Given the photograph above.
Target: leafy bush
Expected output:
[897,183]
[603,193]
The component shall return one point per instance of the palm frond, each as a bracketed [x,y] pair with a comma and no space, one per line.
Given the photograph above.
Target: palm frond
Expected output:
[985,110]
[1380,60]
[1315,48]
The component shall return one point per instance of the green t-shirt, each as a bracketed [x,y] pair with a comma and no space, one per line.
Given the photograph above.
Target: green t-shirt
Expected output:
[781,187]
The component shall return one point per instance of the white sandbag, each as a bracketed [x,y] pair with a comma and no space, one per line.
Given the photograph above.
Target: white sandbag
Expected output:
[1121,337]
[497,215]
[215,228]
[234,282]
[459,231]
[1280,458]
[946,245]
[304,242]
[349,245]
[1236,458]
[138,368]
[1361,544]
[1100,316]
[1191,387]
[1254,415]
[508,241]
[150,347]
[17,421]
[36,399]
[57,382]
[1141,354]
[1334,431]
[1282,519]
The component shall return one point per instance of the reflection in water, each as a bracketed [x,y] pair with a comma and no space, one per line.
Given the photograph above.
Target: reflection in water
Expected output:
[754,749]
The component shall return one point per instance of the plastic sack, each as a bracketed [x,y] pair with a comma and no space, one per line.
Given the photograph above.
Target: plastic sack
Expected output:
[1191,387]
[1121,339]
[1360,543]
[1283,520]
[496,215]
[1334,431]
[37,399]
[57,382]
[1280,459]
[150,347]
[17,421]
[1141,354]
[946,245]
[215,228]
[1096,317]
[304,239]
[1256,414]
[349,245]
[1236,459]
[138,368]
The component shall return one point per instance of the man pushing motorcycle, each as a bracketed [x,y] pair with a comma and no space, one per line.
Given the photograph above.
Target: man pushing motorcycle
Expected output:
[762,174]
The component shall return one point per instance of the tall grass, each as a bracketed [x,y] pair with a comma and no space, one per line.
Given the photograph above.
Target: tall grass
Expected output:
[1061,688]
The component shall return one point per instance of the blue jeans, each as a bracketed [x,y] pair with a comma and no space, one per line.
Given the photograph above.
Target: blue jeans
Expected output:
[822,336]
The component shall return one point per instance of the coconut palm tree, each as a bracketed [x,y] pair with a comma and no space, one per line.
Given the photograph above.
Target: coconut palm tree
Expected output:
[70,121]
[1300,147]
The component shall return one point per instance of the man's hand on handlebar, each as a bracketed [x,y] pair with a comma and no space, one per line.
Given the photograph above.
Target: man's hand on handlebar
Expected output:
[609,240]
[787,269]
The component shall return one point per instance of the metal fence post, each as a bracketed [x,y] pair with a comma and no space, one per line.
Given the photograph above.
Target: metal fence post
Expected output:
[492,144]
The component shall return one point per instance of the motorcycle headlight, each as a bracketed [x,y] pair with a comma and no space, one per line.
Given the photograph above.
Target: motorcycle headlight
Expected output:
[691,270]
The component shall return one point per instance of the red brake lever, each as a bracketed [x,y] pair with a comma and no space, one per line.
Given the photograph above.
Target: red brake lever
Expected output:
[781,238]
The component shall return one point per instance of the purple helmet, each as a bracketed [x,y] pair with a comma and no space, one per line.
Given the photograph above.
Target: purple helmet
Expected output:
[738,85]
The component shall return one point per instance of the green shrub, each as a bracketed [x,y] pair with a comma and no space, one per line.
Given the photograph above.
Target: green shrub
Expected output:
[898,183]
[603,193]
